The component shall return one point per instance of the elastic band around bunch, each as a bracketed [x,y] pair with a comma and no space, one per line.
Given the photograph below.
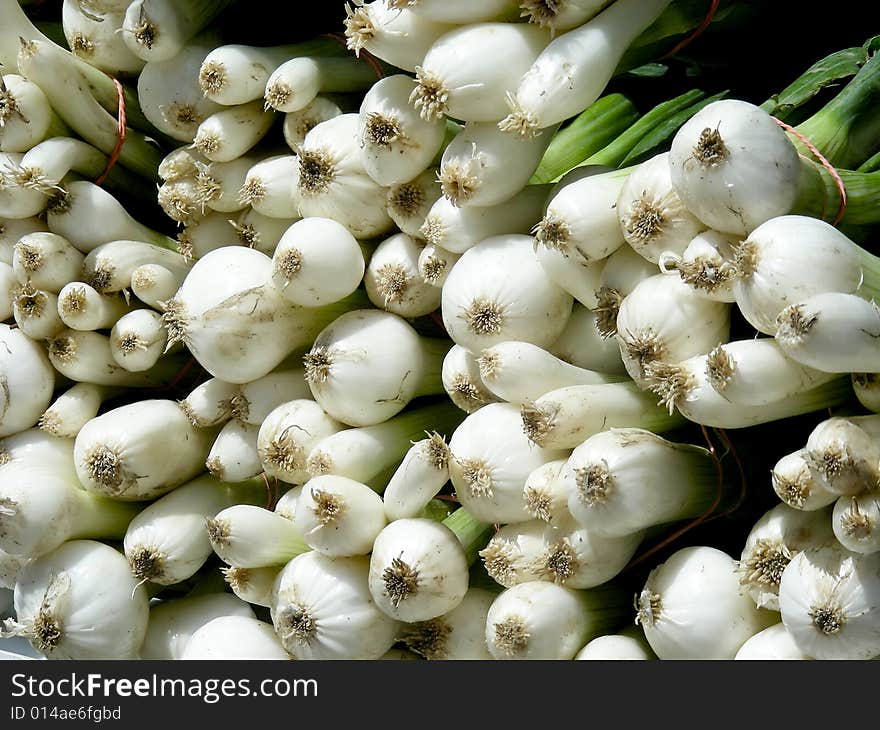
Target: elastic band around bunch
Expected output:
[825,163]
[272,494]
[437,319]
[183,371]
[120,136]
[366,56]
[697,32]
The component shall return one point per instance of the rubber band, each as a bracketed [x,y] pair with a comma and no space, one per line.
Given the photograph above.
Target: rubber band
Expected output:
[437,319]
[826,164]
[271,492]
[743,481]
[183,371]
[697,32]
[120,137]
[697,520]
[366,56]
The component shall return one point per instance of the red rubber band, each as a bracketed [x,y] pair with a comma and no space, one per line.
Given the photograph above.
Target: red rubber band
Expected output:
[366,56]
[120,137]
[697,32]
[437,319]
[825,163]
[272,495]
[182,373]
[743,481]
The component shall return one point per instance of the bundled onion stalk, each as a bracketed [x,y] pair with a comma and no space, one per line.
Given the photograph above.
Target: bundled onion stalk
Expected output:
[322,608]
[565,417]
[498,291]
[333,181]
[396,143]
[706,265]
[42,502]
[490,459]
[248,536]
[234,322]
[156,30]
[454,80]
[236,74]
[96,38]
[394,34]
[462,380]
[73,408]
[457,634]
[835,332]
[26,115]
[797,483]
[393,280]
[483,166]
[348,355]
[790,258]
[170,94]
[627,479]
[686,387]
[844,454]
[574,236]
[140,451]
[371,454]
[780,534]
[662,320]
[235,637]
[28,379]
[166,543]
[519,372]
[629,644]
[68,92]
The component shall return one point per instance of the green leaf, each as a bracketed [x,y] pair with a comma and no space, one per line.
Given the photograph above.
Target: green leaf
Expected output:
[650,70]
[830,70]
[872,45]
[659,138]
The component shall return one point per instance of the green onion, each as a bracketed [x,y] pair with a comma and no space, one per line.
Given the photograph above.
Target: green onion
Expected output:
[591,130]
[613,154]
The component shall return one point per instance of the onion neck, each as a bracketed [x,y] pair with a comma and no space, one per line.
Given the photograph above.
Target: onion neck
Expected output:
[594,129]
[819,195]
[434,352]
[471,533]
[101,517]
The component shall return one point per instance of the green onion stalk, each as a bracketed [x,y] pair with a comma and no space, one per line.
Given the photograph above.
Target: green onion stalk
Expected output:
[590,139]
[794,103]
[593,129]
[847,129]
